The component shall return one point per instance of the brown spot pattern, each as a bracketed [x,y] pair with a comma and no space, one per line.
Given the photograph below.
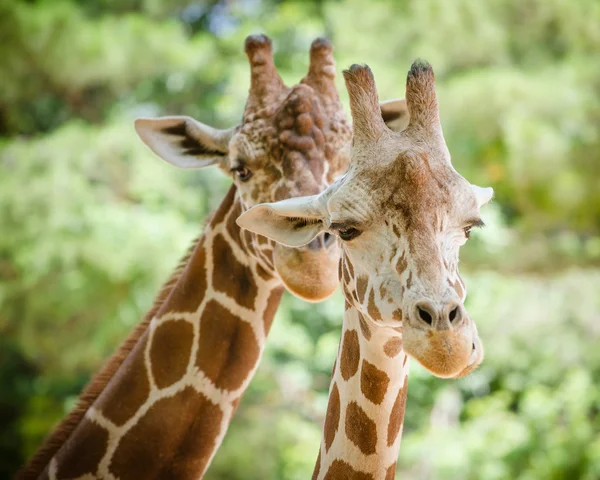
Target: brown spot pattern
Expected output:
[129,387]
[348,264]
[189,291]
[382,291]
[228,350]
[230,276]
[397,415]
[340,470]
[390,473]
[332,418]
[170,351]
[360,429]
[393,346]
[350,354]
[75,460]
[272,304]
[364,326]
[409,281]
[372,307]
[361,288]
[317,469]
[373,382]
[397,314]
[173,440]
[401,264]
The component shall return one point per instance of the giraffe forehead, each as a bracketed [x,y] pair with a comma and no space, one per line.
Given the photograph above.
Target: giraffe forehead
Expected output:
[408,193]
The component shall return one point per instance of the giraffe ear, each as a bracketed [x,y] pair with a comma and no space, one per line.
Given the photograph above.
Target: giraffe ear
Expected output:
[183,141]
[395,114]
[293,222]
[482,194]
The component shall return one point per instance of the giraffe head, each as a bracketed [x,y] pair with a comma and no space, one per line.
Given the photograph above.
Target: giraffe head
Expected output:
[292,141]
[402,212]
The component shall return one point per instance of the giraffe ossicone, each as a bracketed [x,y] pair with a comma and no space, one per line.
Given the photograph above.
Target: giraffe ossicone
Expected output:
[161,405]
[401,212]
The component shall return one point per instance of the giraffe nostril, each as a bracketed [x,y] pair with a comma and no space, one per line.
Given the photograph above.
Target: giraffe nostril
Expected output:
[425,316]
[453,314]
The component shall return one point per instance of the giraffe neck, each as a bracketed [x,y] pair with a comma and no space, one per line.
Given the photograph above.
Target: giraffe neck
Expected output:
[363,425]
[165,410]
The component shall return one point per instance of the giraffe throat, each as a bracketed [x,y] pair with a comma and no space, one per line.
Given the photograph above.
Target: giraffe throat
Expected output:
[367,397]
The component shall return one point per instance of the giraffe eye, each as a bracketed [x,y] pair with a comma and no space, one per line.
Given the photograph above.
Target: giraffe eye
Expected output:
[242,173]
[349,233]
[467,231]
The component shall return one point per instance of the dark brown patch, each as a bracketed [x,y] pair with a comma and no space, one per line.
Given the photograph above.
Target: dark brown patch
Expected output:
[350,354]
[230,276]
[360,429]
[262,273]
[317,469]
[396,231]
[170,351]
[227,204]
[347,278]
[372,307]
[81,456]
[228,350]
[390,473]
[364,326]
[340,271]
[401,264]
[340,470]
[397,315]
[332,418]
[175,439]
[128,389]
[393,346]
[188,293]
[373,382]
[361,287]
[397,415]
[348,263]
[236,232]
[272,304]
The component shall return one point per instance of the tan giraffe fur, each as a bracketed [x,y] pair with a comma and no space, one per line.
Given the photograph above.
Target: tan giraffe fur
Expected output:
[293,141]
[401,212]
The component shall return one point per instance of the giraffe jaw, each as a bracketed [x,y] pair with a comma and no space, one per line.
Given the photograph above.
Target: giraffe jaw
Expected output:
[311,275]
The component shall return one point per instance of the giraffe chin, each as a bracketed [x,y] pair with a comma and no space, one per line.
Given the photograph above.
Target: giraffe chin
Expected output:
[309,274]
[445,353]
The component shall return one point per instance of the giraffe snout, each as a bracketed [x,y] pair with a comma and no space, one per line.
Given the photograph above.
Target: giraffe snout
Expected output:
[438,317]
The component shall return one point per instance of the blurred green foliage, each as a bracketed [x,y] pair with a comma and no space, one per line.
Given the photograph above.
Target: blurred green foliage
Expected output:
[91,222]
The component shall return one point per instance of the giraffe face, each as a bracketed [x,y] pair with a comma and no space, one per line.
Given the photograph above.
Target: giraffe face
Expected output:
[291,142]
[402,213]
[289,149]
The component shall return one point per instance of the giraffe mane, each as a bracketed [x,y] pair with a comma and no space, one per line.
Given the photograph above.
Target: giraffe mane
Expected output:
[40,460]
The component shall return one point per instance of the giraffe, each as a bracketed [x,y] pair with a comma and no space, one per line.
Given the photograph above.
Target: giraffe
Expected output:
[401,213]
[163,402]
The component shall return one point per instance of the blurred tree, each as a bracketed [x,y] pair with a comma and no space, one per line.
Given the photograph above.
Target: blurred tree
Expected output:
[90,223]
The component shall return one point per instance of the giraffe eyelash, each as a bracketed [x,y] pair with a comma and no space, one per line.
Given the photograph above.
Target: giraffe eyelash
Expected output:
[301,222]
